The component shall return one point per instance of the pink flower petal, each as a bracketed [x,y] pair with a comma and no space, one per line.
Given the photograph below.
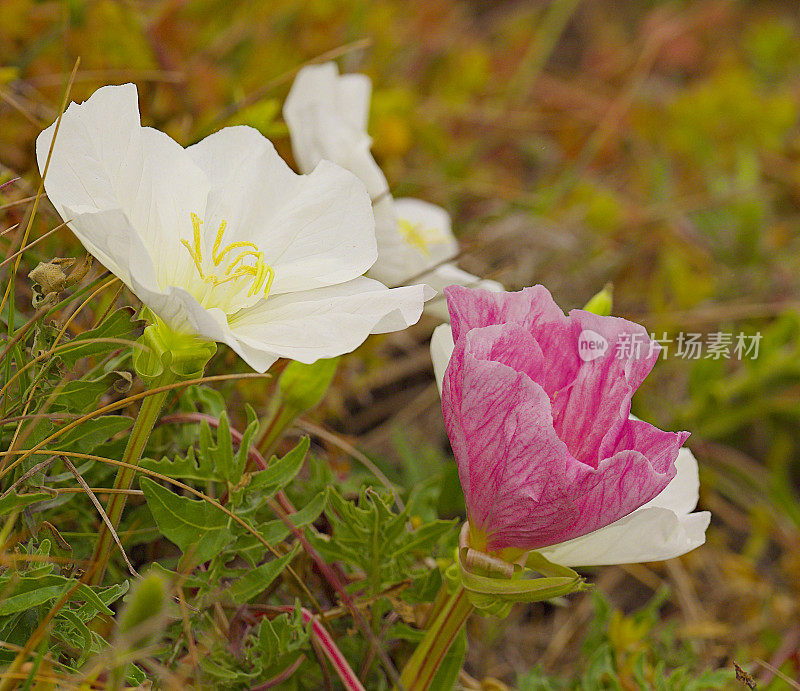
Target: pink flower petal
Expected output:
[545,448]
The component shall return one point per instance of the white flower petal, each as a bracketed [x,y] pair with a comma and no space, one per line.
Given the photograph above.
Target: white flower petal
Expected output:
[326,322]
[111,239]
[650,534]
[152,212]
[92,163]
[441,349]
[327,232]
[249,180]
[354,94]
[315,230]
[682,493]
[101,166]
[171,188]
[400,259]
[325,123]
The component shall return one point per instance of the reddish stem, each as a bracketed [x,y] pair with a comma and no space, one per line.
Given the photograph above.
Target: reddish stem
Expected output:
[327,644]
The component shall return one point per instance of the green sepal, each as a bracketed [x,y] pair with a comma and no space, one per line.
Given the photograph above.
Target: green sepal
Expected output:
[185,356]
[496,594]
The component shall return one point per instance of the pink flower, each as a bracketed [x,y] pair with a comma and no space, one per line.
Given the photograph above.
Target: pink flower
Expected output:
[540,426]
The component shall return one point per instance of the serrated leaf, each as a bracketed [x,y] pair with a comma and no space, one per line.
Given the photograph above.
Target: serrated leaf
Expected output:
[70,626]
[214,459]
[372,538]
[279,638]
[188,467]
[220,451]
[107,596]
[194,526]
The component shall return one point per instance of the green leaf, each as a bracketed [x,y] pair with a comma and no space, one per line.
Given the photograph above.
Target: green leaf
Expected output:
[18,501]
[81,395]
[252,549]
[280,640]
[196,527]
[189,467]
[222,451]
[279,472]
[29,598]
[372,538]
[207,399]
[70,626]
[236,463]
[23,592]
[214,459]
[118,325]
[92,433]
[257,580]
[84,438]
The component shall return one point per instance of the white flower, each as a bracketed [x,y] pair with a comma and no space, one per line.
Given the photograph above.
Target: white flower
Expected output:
[222,240]
[664,528]
[327,118]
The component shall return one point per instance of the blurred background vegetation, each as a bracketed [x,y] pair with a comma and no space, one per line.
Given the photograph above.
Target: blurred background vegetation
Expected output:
[652,144]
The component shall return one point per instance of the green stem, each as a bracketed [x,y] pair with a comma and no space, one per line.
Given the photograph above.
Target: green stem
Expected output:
[421,667]
[148,414]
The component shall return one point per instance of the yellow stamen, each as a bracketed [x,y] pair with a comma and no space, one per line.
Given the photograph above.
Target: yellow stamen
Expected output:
[196,252]
[262,273]
[217,256]
[417,235]
[258,256]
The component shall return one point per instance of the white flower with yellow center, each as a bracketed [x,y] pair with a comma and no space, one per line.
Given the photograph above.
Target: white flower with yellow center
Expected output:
[222,240]
[327,118]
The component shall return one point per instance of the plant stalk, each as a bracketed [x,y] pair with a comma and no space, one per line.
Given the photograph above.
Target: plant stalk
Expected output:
[421,667]
[140,433]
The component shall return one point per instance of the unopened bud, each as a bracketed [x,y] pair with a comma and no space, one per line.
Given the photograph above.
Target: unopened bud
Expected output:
[602,302]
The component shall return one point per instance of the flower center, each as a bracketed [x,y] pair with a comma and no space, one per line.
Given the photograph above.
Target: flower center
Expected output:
[242,260]
[419,236]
